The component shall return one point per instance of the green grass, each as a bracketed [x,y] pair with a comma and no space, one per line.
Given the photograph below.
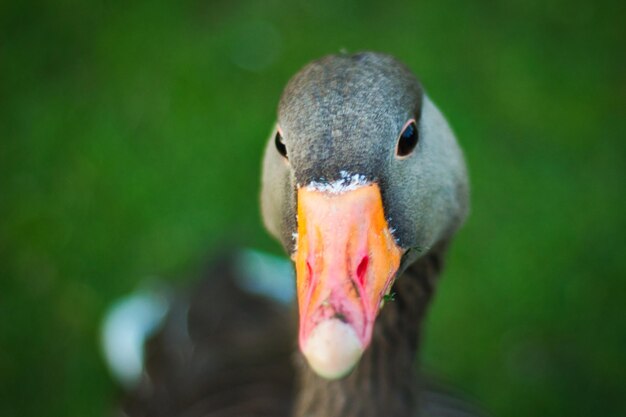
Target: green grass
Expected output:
[130,144]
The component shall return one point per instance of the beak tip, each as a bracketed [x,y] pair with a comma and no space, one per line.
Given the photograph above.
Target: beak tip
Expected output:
[332,349]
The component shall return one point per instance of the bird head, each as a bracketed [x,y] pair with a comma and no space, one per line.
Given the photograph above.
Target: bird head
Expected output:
[361,176]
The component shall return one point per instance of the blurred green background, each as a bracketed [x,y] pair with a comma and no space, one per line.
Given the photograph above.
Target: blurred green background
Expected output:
[130,143]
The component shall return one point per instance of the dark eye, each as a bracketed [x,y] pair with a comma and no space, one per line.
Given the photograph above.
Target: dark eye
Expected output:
[408,140]
[280,144]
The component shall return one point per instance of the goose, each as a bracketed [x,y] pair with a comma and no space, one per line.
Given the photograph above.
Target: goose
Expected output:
[364,185]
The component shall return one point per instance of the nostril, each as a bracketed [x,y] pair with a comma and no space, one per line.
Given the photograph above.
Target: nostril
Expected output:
[309,274]
[361,270]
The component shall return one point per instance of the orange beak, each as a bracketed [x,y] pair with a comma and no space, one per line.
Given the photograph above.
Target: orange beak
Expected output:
[346,259]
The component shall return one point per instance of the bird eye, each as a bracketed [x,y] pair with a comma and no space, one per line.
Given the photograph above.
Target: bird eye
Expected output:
[280,144]
[408,139]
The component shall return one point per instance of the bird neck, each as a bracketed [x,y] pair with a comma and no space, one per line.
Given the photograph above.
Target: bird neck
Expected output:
[384,382]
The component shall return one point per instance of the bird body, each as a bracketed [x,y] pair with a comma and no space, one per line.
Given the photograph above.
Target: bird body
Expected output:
[364,185]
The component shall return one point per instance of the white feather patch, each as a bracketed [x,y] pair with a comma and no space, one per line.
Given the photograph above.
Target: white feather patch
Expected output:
[347,182]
